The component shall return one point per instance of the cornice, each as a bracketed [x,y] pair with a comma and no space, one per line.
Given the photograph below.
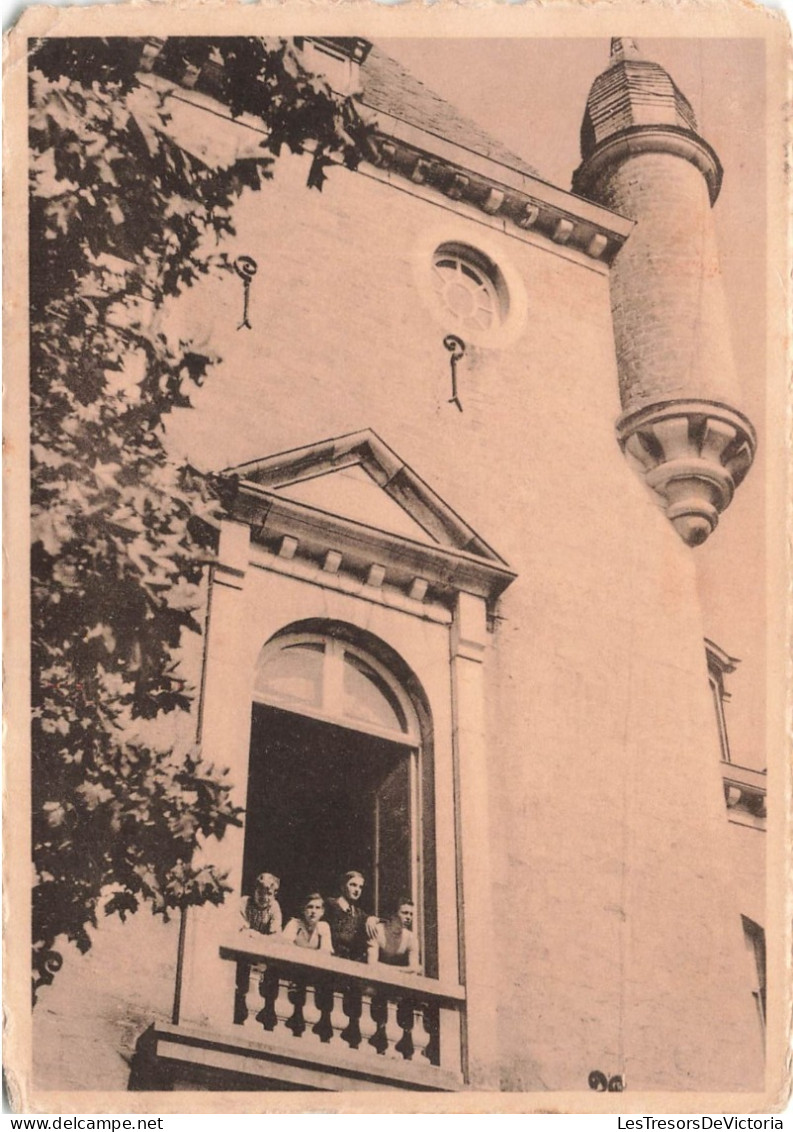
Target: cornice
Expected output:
[396,478]
[519,201]
[367,556]
[718,658]
[456,174]
[634,140]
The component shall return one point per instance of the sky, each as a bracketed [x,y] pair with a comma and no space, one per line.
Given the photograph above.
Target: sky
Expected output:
[530,94]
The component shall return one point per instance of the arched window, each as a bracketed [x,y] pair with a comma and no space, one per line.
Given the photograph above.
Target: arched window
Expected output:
[332,680]
[336,773]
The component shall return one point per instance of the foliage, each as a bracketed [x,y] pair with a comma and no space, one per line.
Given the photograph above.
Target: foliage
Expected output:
[121,220]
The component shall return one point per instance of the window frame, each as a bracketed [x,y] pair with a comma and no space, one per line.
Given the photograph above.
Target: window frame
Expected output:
[413,739]
[719,665]
[334,650]
[480,276]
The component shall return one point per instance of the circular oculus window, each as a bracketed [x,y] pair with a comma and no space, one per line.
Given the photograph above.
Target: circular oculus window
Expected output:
[469,288]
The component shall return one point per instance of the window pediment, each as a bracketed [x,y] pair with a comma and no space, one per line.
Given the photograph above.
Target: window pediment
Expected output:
[352,506]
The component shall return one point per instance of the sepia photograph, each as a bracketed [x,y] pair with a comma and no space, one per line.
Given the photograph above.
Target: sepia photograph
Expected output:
[396,616]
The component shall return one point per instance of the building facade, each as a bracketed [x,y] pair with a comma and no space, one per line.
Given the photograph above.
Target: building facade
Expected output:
[453,633]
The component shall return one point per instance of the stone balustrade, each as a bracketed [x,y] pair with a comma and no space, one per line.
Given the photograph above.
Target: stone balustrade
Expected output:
[372,1016]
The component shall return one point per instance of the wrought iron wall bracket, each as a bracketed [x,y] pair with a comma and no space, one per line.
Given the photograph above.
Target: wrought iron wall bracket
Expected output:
[246,267]
[456,348]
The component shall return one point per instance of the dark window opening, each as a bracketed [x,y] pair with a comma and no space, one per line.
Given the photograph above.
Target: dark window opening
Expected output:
[323,799]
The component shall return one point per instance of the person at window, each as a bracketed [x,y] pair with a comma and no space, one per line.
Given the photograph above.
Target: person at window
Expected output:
[309,929]
[262,912]
[394,941]
[350,927]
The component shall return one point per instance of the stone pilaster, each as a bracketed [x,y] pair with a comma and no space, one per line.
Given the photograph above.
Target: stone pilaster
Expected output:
[468,645]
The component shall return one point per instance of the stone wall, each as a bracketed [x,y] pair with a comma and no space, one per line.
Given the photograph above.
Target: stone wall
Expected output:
[615,922]
[670,314]
[86,1025]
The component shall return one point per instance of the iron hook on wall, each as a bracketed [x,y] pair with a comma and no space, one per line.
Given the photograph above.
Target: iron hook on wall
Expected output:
[456,348]
[603,1084]
[246,267]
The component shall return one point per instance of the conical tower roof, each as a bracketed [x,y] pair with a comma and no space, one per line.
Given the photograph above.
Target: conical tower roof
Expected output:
[632,91]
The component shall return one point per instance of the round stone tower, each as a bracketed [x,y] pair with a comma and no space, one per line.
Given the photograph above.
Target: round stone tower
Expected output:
[681,425]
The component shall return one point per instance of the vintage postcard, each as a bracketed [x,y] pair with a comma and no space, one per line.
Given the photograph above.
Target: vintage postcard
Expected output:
[396,567]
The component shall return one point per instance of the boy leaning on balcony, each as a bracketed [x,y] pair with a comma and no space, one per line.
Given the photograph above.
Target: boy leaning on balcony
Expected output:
[393,941]
[308,929]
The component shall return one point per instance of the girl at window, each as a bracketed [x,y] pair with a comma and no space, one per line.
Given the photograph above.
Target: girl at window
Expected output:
[262,912]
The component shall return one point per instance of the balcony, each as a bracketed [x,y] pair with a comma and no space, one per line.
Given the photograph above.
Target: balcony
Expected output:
[305,1020]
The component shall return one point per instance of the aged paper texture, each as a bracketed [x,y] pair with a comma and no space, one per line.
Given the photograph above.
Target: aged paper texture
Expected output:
[395,689]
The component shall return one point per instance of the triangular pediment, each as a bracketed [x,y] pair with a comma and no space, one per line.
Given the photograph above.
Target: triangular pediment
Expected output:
[352,493]
[360,479]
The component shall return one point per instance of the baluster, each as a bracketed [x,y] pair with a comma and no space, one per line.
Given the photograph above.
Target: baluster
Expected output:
[252,998]
[242,987]
[312,1012]
[378,1010]
[405,1017]
[420,1035]
[338,1017]
[351,1004]
[432,1026]
[269,987]
[326,1001]
[284,1004]
[296,994]
[393,1030]
[368,1022]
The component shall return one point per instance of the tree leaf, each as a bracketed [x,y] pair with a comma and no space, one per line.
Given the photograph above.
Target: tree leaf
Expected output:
[121,219]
